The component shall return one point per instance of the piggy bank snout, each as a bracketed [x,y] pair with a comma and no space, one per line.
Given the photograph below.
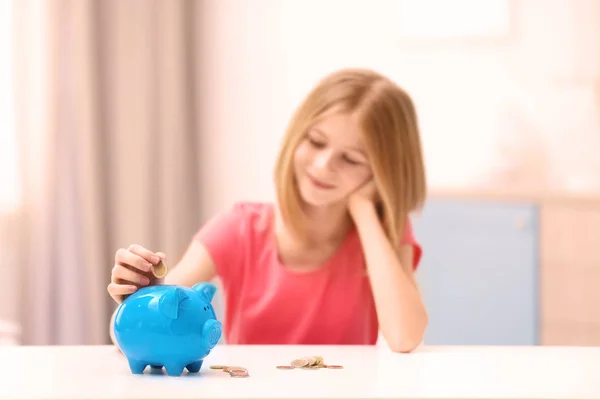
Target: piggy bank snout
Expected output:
[212,333]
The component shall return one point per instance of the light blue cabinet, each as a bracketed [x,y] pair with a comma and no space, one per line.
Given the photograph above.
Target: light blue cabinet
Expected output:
[479,272]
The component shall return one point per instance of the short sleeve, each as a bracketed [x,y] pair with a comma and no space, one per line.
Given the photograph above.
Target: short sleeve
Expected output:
[221,238]
[410,239]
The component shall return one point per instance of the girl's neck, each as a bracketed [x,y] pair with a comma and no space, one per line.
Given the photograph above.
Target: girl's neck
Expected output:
[326,224]
[327,229]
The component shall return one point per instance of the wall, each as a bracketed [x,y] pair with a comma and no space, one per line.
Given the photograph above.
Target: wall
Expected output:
[512,113]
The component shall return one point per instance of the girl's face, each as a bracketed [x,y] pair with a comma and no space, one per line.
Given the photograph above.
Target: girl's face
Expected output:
[330,162]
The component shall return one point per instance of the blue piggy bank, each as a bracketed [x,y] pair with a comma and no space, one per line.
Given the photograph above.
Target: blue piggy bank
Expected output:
[171,326]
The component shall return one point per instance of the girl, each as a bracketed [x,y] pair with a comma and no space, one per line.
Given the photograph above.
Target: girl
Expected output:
[332,261]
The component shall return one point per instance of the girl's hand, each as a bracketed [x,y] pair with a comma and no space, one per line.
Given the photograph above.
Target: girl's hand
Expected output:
[132,270]
[365,195]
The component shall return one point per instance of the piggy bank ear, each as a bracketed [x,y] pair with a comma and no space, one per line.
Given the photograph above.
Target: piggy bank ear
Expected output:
[206,290]
[168,304]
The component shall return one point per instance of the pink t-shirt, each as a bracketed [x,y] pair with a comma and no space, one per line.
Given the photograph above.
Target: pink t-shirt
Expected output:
[267,303]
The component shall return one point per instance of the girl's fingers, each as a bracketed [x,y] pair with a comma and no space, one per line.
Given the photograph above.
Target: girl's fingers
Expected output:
[132,269]
[144,253]
[126,257]
[123,273]
[117,291]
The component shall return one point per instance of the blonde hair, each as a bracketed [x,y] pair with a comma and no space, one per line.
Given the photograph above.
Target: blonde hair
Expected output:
[388,124]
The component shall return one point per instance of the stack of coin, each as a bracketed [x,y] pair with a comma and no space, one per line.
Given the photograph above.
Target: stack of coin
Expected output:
[310,362]
[233,371]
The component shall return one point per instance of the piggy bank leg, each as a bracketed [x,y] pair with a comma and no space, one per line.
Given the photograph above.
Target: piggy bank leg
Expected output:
[194,367]
[137,367]
[174,369]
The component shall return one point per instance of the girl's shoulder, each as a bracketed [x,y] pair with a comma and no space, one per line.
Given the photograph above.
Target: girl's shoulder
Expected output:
[252,208]
[240,219]
[235,233]
[252,215]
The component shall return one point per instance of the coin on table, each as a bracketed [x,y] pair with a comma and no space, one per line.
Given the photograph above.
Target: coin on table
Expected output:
[299,363]
[311,360]
[217,366]
[334,367]
[284,367]
[231,368]
[160,270]
[238,372]
[319,360]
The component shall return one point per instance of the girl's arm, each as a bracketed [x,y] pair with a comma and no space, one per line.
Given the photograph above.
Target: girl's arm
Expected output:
[195,266]
[400,310]
[214,250]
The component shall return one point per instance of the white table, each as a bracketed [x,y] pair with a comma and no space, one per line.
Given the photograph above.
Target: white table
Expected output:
[100,372]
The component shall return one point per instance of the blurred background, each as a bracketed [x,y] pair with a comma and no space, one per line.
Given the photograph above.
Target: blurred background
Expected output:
[130,121]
